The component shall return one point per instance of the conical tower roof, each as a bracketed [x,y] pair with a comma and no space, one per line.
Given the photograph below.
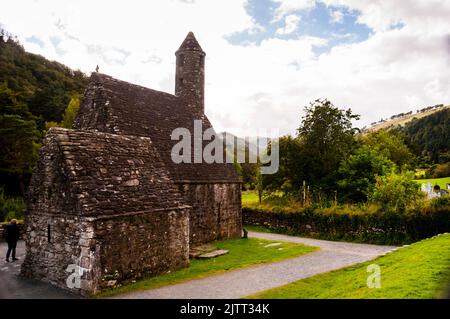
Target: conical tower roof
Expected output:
[190,44]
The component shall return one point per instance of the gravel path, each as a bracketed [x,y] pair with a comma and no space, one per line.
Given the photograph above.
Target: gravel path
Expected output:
[244,282]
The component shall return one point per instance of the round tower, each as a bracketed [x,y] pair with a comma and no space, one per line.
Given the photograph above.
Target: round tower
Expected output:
[190,74]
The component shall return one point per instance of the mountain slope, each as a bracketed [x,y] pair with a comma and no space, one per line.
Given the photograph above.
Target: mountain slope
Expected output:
[405,118]
[430,136]
[33,91]
[44,86]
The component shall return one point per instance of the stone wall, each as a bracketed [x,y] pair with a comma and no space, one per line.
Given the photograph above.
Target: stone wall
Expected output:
[190,74]
[110,250]
[53,243]
[216,212]
[137,246]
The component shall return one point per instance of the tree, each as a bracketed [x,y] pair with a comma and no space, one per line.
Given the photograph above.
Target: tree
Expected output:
[71,112]
[359,171]
[19,138]
[259,183]
[430,137]
[19,143]
[49,103]
[396,192]
[328,137]
[441,170]
[391,145]
[290,171]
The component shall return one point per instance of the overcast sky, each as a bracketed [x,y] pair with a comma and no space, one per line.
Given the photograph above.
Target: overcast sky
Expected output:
[266,59]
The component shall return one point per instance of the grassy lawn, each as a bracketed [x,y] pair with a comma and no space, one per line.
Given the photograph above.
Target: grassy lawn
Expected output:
[417,271]
[250,199]
[442,182]
[242,253]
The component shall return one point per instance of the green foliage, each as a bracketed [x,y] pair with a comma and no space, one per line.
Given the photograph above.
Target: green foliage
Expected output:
[71,112]
[291,166]
[19,140]
[11,207]
[396,192]
[441,170]
[439,202]
[49,125]
[328,137]
[418,271]
[34,93]
[271,201]
[359,171]
[45,86]
[430,137]
[359,223]
[391,145]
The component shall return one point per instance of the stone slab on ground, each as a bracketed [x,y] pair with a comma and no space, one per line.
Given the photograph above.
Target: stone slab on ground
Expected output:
[196,251]
[272,245]
[213,254]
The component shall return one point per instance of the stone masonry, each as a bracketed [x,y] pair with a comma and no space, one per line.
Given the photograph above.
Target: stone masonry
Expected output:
[107,203]
[119,107]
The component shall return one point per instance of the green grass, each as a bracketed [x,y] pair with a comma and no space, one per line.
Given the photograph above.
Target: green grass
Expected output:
[417,271]
[277,202]
[242,253]
[442,182]
[249,197]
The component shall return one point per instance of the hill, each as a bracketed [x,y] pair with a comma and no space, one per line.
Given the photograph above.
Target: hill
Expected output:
[249,145]
[403,118]
[429,136]
[44,86]
[33,91]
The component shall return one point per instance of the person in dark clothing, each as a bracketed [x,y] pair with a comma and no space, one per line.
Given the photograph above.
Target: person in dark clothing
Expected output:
[12,236]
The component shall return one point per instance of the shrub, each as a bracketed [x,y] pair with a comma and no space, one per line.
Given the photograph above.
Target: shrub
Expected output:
[353,223]
[11,207]
[442,170]
[441,201]
[397,192]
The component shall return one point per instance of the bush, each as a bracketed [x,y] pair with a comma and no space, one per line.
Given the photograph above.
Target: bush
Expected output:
[352,224]
[441,201]
[441,170]
[11,207]
[397,192]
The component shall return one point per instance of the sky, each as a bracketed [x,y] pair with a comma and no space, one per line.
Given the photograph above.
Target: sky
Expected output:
[265,59]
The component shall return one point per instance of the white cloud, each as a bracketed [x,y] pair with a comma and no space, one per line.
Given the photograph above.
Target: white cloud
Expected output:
[287,6]
[290,24]
[380,15]
[250,86]
[336,16]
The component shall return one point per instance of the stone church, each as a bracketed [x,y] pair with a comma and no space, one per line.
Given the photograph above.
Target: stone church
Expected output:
[107,200]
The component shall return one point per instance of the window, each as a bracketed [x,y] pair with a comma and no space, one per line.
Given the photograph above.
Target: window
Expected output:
[48,233]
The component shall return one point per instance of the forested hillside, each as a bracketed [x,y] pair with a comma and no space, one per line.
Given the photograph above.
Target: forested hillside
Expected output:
[34,93]
[430,136]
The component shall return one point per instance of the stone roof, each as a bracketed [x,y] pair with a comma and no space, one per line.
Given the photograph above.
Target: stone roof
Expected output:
[100,174]
[190,43]
[119,107]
